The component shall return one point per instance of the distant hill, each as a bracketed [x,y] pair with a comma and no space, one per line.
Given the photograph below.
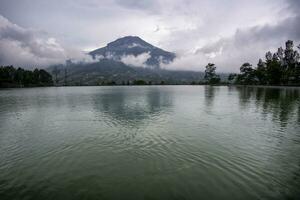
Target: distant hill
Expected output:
[133,45]
[107,71]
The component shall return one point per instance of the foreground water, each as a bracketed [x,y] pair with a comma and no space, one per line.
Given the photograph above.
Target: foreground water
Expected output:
[158,142]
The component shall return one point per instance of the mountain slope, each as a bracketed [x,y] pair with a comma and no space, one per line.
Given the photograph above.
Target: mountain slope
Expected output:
[135,46]
[107,70]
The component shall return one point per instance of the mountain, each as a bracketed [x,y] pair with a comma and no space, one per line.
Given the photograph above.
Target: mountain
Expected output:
[135,46]
[111,70]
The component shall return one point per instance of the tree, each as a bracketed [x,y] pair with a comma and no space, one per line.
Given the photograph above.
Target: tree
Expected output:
[210,74]
[273,73]
[247,75]
[260,72]
[231,78]
[19,76]
[45,78]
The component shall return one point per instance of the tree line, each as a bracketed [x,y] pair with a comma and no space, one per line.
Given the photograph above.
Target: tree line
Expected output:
[279,68]
[12,77]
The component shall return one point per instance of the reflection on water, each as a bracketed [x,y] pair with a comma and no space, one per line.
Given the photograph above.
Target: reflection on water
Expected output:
[170,142]
[129,106]
[282,106]
[209,92]
[281,103]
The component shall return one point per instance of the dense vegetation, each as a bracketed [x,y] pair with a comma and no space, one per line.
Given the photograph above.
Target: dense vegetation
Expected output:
[280,68]
[12,77]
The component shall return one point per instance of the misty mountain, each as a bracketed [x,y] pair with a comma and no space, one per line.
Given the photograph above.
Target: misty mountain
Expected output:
[109,68]
[135,46]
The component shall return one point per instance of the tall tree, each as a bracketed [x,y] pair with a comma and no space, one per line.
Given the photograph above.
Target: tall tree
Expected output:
[260,72]
[247,75]
[273,70]
[210,75]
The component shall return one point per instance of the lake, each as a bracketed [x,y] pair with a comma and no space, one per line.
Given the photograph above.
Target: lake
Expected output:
[150,142]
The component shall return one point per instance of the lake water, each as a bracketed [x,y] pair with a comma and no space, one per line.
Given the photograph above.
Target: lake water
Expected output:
[156,142]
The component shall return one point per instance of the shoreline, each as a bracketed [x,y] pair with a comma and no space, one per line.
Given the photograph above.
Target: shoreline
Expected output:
[218,85]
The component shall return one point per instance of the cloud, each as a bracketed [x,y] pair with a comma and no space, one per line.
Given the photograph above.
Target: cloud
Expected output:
[26,47]
[250,44]
[246,44]
[144,5]
[199,31]
[31,48]
[184,62]
[136,61]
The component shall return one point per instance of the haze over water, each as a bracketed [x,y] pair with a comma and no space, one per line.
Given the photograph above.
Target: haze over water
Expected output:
[151,142]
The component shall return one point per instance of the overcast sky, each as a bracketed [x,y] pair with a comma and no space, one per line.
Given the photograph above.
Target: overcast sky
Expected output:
[227,33]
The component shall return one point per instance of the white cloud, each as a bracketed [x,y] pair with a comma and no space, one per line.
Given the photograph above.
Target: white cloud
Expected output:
[31,48]
[136,61]
[26,47]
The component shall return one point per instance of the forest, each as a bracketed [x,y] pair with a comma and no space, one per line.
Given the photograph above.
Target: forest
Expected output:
[12,77]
